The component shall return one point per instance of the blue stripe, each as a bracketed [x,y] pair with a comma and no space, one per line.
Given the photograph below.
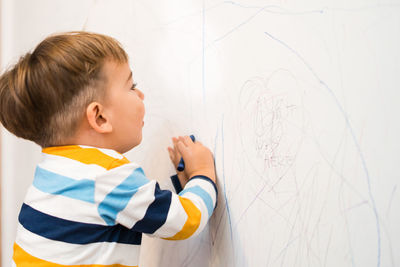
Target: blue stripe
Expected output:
[119,197]
[205,178]
[57,184]
[204,196]
[72,232]
[157,213]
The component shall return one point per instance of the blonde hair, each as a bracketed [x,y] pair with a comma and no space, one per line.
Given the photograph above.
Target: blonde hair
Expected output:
[43,97]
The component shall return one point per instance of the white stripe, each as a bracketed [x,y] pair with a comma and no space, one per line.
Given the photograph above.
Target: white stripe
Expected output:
[63,207]
[105,253]
[206,185]
[137,205]
[70,168]
[107,181]
[176,219]
[203,224]
[108,152]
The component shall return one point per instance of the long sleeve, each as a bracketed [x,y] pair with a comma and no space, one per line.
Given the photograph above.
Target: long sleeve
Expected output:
[125,196]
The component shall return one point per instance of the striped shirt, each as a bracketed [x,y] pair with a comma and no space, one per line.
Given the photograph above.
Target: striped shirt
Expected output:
[89,207]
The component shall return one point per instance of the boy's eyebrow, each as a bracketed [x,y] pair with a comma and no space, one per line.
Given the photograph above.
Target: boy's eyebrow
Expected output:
[130,76]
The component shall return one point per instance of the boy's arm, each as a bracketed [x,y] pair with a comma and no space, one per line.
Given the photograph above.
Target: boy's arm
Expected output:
[190,209]
[139,204]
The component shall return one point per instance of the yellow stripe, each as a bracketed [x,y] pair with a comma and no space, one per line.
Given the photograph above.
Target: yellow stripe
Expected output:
[24,259]
[86,156]
[192,222]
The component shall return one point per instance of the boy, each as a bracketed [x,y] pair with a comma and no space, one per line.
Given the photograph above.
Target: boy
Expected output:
[88,205]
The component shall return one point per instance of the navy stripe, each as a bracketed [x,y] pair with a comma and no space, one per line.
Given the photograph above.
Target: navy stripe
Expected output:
[157,212]
[55,228]
[176,183]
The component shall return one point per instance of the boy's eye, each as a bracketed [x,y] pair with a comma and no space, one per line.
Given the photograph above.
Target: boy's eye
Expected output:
[134,86]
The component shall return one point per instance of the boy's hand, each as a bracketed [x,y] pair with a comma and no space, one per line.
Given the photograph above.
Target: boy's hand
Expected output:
[198,158]
[175,157]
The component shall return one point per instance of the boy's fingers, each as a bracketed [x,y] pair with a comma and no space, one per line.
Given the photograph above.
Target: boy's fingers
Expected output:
[186,140]
[174,140]
[177,155]
[171,154]
[175,147]
[182,149]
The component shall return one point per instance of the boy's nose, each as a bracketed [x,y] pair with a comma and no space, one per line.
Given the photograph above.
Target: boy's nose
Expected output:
[140,93]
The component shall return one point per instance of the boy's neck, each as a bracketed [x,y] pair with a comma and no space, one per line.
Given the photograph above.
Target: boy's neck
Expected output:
[88,137]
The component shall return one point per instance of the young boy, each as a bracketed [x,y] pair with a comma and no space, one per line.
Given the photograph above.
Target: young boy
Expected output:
[88,205]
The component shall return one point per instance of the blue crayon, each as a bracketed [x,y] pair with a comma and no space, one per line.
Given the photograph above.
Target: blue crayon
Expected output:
[181,165]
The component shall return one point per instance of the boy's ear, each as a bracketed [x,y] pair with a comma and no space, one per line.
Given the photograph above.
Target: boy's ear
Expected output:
[97,118]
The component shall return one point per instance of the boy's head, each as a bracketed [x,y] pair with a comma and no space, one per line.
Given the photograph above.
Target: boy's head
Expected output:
[45,96]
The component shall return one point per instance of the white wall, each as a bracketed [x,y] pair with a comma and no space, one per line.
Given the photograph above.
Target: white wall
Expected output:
[298,102]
